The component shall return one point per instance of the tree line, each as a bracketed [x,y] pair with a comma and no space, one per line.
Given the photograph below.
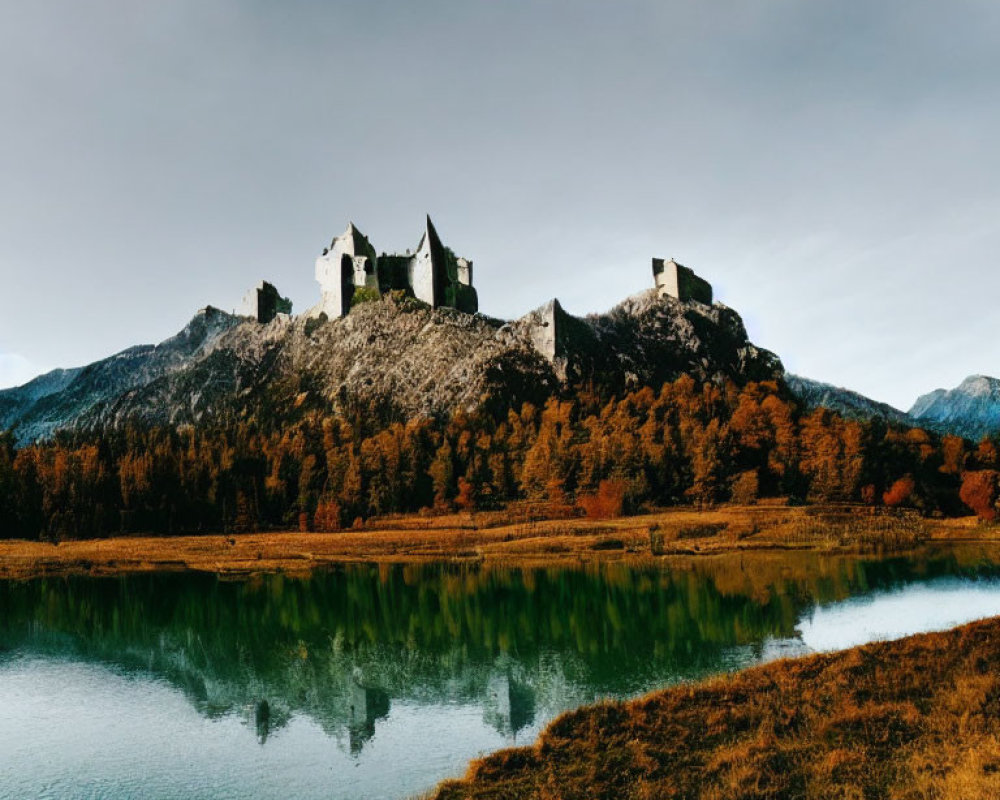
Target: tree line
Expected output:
[686,443]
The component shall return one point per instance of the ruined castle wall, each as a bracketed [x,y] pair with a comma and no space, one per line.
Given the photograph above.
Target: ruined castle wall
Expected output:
[694,288]
[264,303]
[349,262]
[365,273]
[675,280]
[393,272]
[462,297]
[335,274]
[665,276]
[433,274]
[421,274]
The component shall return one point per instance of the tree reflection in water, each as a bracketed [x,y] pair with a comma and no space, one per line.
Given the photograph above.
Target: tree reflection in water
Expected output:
[342,647]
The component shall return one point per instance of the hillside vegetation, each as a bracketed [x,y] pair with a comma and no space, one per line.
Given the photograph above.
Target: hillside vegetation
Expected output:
[915,719]
[686,443]
[313,425]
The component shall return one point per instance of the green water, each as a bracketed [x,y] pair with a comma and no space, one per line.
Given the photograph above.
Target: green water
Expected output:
[373,682]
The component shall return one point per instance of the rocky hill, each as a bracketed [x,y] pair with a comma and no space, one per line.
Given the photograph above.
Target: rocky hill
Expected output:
[393,357]
[972,409]
[814,394]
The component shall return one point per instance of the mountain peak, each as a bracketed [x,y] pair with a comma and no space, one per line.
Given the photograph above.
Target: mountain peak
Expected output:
[980,385]
[971,409]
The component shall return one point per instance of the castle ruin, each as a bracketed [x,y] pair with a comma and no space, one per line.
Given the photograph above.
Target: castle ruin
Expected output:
[550,328]
[349,272]
[433,274]
[675,280]
[264,303]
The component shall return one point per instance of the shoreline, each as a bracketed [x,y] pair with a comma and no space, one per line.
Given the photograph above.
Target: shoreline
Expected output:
[915,717]
[867,720]
[495,541]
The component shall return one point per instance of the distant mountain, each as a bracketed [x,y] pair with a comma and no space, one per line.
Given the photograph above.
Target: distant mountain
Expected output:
[972,409]
[395,357]
[852,405]
[62,397]
[15,403]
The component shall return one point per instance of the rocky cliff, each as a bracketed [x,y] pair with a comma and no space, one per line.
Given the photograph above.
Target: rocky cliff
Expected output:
[972,409]
[394,357]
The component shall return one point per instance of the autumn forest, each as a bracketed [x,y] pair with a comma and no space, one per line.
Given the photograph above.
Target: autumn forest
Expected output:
[685,444]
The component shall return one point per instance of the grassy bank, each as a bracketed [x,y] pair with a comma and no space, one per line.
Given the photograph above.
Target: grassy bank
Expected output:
[914,719]
[498,538]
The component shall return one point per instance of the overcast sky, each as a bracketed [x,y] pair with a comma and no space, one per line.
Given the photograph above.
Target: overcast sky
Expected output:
[831,167]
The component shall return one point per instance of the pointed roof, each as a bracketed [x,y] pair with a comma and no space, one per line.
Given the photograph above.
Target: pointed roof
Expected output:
[433,241]
[359,243]
[431,233]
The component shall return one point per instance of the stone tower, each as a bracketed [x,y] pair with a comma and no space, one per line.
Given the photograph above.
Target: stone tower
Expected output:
[675,280]
[438,277]
[349,262]
[427,268]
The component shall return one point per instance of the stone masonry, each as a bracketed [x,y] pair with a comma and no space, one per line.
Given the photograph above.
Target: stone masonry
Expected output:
[433,274]
[264,303]
[675,280]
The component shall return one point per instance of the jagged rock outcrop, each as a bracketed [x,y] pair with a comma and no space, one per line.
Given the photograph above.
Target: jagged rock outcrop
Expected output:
[393,357]
[646,340]
[814,394]
[972,409]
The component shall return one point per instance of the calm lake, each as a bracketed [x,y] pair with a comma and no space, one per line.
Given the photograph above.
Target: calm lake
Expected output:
[378,682]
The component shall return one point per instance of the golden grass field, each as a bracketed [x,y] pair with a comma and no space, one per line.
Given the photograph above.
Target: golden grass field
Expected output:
[501,537]
[914,719]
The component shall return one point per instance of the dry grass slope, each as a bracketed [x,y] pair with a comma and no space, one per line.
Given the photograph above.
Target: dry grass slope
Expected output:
[916,719]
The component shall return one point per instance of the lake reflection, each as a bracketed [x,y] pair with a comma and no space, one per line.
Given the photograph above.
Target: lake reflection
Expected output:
[380,681]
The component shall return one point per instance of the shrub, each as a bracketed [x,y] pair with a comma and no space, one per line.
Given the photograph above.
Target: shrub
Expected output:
[606,502]
[900,492]
[746,487]
[315,322]
[364,294]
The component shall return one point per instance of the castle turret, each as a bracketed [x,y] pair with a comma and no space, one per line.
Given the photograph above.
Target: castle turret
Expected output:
[348,263]
[440,278]
[427,268]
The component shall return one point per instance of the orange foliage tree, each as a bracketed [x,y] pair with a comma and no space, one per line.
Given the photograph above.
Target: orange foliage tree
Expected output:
[327,516]
[683,442]
[465,500]
[979,492]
